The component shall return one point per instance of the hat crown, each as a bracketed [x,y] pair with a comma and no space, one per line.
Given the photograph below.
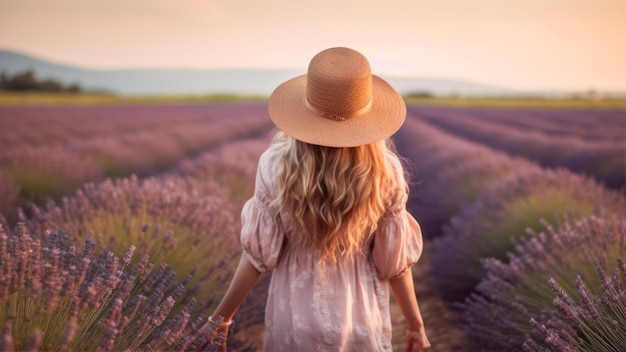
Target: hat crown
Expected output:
[339,83]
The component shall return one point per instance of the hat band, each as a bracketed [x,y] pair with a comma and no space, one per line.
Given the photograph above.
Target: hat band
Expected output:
[341,116]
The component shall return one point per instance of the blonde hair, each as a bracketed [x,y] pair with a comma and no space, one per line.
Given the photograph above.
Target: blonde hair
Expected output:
[334,196]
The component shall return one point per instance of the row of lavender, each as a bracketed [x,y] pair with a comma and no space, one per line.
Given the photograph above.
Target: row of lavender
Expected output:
[52,151]
[590,124]
[591,142]
[509,238]
[67,289]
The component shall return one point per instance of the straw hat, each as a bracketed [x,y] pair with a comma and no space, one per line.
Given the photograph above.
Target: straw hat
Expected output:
[338,103]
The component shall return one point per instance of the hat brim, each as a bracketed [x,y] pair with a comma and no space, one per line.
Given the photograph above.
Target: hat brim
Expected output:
[288,110]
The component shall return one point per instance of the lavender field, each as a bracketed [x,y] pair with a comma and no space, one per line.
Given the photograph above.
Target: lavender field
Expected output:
[120,225]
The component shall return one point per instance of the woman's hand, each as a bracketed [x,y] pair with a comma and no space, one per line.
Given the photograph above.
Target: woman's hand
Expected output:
[224,331]
[244,279]
[404,291]
[217,332]
[220,332]
[416,341]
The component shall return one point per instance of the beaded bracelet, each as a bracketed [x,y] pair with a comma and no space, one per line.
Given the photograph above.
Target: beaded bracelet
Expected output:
[222,323]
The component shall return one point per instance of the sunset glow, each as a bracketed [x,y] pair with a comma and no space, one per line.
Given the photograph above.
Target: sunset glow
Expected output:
[534,44]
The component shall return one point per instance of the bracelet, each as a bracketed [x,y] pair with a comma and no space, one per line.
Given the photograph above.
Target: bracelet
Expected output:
[223,323]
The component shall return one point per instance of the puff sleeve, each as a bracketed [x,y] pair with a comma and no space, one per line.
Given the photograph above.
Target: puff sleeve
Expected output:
[397,243]
[261,233]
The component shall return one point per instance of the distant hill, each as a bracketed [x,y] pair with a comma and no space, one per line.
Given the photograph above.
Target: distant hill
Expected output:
[195,81]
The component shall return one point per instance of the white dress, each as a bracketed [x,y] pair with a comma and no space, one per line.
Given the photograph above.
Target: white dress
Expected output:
[311,307]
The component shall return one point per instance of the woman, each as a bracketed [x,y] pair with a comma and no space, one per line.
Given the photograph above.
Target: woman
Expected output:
[328,216]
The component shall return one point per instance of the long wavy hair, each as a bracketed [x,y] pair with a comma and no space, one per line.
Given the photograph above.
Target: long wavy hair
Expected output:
[334,196]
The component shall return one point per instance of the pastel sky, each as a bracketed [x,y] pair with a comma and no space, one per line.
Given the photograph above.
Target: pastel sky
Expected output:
[519,44]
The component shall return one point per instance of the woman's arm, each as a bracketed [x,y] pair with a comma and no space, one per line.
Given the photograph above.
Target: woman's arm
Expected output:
[404,292]
[244,279]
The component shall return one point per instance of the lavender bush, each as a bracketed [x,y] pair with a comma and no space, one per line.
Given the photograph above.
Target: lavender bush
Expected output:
[55,297]
[485,229]
[513,305]
[166,218]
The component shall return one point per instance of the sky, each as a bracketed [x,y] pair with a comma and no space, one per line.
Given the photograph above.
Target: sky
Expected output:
[518,44]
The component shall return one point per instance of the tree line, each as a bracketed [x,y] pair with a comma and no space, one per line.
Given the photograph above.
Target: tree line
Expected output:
[26,81]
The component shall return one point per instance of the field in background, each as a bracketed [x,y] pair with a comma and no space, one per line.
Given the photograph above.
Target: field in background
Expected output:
[541,103]
[7,98]
[76,164]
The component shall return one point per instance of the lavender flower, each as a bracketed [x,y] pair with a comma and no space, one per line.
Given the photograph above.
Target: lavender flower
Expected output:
[34,341]
[129,255]
[6,340]
[68,334]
